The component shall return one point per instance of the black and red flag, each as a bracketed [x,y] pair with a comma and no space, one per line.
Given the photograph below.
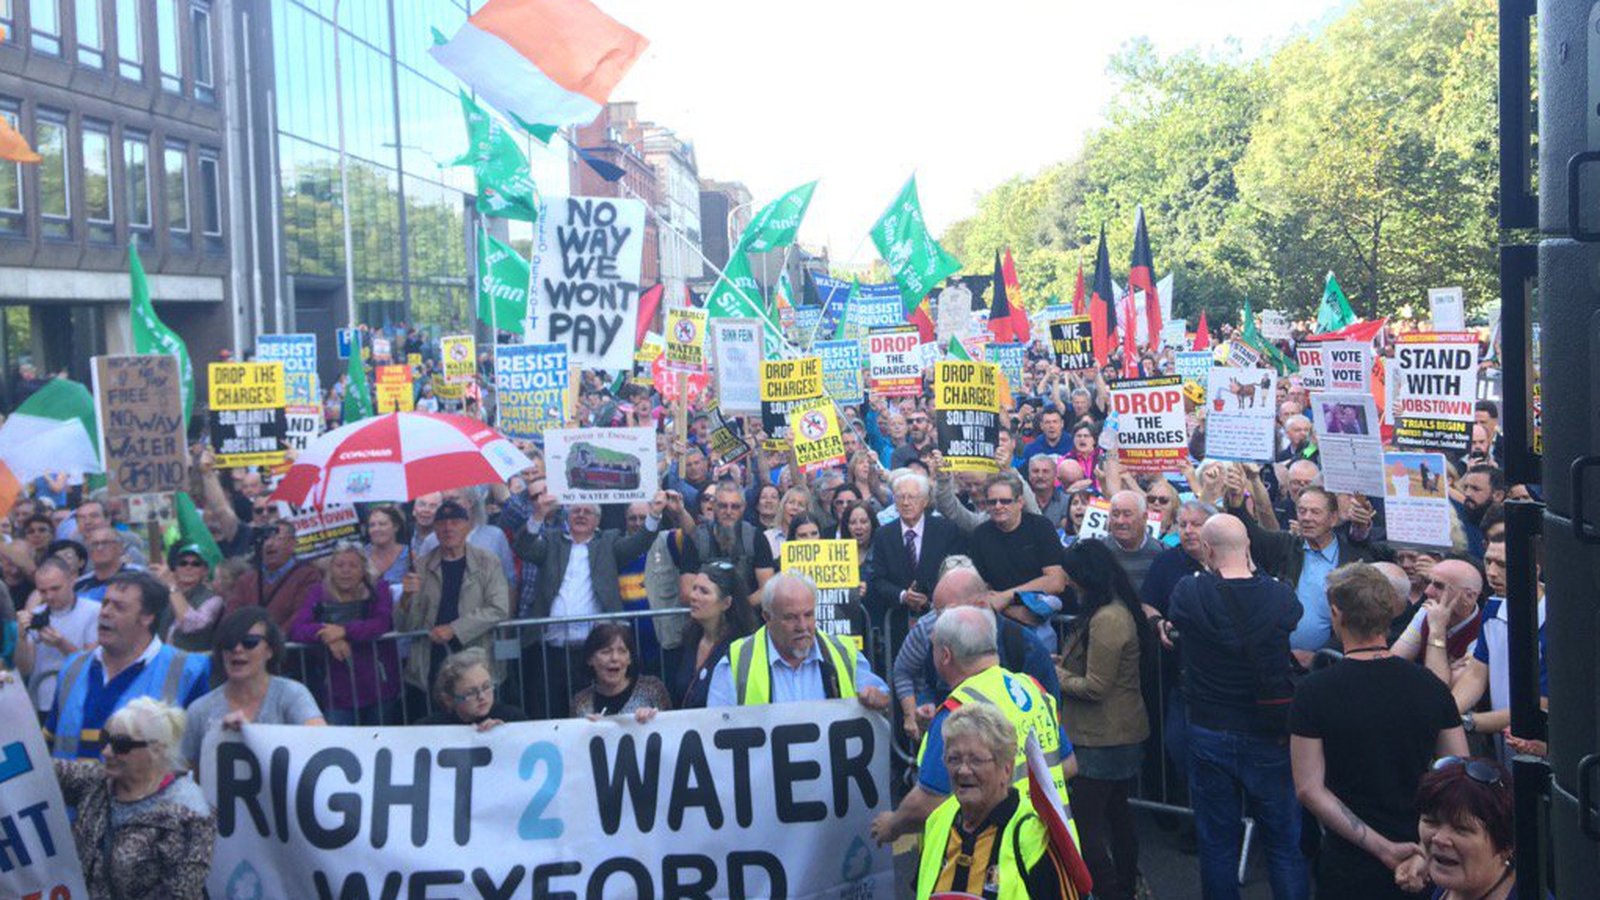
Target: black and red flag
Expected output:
[1102,305]
[1142,277]
[1002,314]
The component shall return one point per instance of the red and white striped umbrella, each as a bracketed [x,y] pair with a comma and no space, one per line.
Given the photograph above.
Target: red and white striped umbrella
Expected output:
[398,457]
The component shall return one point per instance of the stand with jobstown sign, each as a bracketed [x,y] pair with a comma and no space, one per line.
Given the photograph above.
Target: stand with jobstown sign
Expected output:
[1438,384]
[757,801]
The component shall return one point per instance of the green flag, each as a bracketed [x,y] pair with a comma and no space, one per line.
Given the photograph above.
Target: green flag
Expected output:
[502,284]
[189,531]
[505,184]
[735,297]
[1252,336]
[151,335]
[1334,312]
[357,398]
[918,262]
[777,222]
[955,350]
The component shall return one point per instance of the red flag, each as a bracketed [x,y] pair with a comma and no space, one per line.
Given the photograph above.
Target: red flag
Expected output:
[1021,328]
[649,302]
[1071,870]
[1130,348]
[1077,293]
[1000,308]
[1202,334]
[921,316]
[1102,305]
[1141,277]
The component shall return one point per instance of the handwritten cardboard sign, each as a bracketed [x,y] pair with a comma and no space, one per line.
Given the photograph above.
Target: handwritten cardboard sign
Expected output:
[139,404]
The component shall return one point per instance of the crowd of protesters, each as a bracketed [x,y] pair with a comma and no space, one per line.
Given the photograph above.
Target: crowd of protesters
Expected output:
[1239,631]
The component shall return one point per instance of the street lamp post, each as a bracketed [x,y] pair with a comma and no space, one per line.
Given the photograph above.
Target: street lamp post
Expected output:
[344,176]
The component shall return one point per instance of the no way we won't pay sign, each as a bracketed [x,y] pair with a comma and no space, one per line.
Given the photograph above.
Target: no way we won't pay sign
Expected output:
[762,801]
[586,257]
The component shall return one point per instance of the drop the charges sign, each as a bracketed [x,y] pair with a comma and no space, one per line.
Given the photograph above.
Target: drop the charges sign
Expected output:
[249,422]
[966,403]
[1152,435]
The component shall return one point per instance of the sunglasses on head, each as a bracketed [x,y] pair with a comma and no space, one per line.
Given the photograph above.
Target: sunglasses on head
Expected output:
[121,744]
[248,642]
[1478,770]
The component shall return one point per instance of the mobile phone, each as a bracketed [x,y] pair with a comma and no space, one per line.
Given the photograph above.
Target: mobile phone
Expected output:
[41,620]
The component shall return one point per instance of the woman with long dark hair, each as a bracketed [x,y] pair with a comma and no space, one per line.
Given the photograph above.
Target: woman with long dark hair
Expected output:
[717,617]
[1103,710]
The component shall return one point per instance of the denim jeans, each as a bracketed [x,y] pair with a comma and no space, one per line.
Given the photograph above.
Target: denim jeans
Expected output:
[1229,773]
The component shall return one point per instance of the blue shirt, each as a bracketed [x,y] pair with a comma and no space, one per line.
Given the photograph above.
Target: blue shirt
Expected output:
[1040,444]
[789,684]
[1316,623]
[102,698]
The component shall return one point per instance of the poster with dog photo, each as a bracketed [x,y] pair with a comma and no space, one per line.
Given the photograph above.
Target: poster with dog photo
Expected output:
[1350,442]
[1416,499]
[1240,405]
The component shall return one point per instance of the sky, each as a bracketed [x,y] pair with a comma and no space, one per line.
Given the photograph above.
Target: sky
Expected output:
[861,93]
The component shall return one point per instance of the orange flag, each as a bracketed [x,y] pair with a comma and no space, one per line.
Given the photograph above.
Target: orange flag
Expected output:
[13,146]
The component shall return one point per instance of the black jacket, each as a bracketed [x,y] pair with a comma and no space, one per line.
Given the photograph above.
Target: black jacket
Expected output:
[1281,554]
[1228,664]
[891,567]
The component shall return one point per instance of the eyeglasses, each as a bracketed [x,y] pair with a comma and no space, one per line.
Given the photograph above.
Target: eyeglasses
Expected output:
[1478,770]
[952,763]
[248,642]
[190,562]
[731,507]
[1158,500]
[474,693]
[999,501]
[122,745]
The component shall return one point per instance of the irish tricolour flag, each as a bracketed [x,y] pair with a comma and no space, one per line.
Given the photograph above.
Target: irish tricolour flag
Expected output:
[52,431]
[542,62]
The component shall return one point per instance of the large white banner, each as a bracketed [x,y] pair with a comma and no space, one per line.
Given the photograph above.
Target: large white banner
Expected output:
[601,465]
[736,360]
[762,801]
[586,257]
[38,857]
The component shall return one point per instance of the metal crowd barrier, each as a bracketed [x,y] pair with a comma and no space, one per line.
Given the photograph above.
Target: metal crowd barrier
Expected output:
[369,687]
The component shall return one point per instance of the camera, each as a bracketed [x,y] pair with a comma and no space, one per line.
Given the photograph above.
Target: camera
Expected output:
[41,620]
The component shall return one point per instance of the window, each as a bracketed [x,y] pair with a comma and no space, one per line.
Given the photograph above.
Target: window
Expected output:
[200,38]
[45,18]
[97,204]
[136,175]
[130,42]
[55,191]
[175,167]
[91,44]
[10,179]
[210,195]
[167,45]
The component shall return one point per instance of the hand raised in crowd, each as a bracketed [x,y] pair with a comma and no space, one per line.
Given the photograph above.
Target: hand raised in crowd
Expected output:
[1361,513]
[545,505]
[162,574]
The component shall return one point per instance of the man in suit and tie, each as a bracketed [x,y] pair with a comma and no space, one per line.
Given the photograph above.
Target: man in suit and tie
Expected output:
[577,577]
[906,554]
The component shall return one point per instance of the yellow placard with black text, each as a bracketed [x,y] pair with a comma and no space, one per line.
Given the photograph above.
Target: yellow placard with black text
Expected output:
[966,403]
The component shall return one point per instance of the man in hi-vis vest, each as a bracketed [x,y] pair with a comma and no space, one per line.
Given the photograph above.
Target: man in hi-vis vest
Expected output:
[966,655]
[788,659]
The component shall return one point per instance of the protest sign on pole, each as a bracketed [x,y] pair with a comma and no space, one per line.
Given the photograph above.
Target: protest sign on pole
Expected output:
[1240,355]
[247,418]
[686,340]
[1010,358]
[301,424]
[298,353]
[736,350]
[1350,442]
[835,567]
[1310,357]
[726,435]
[460,355]
[601,465]
[393,388]
[1174,333]
[1151,433]
[1416,499]
[530,384]
[587,253]
[139,411]
[751,801]
[1438,384]
[1448,308]
[818,444]
[1097,521]
[1274,325]
[894,362]
[1347,366]
[1194,368]
[966,403]
[1241,410]
[873,306]
[787,385]
[955,314]
[38,857]
[1072,340]
[318,530]
[651,349]
[841,370]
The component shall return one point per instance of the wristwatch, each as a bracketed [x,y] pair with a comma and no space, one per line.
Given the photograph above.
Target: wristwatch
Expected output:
[1438,642]
[1468,724]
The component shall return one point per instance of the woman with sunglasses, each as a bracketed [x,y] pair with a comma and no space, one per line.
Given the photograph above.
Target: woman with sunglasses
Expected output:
[143,828]
[1161,497]
[715,621]
[1465,825]
[195,606]
[248,652]
[346,613]
[465,694]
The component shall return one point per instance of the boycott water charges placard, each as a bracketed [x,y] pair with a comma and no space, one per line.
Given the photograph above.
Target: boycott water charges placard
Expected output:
[139,410]
[966,404]
[392,384]
[841,370]
[1241,410]
[1437,384]
[1151,433]
[530,383]
[601,465]
[587,253]
[459,353]
[756,801]
[38,859]
[736,353]
[248,421]
[686,340]
[1072,341]
[894,361]
[298,353]
[787,385]
[817,441]
[835,567]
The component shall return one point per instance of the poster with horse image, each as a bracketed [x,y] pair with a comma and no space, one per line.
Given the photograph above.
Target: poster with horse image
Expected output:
[1416,499]
[1240,408]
